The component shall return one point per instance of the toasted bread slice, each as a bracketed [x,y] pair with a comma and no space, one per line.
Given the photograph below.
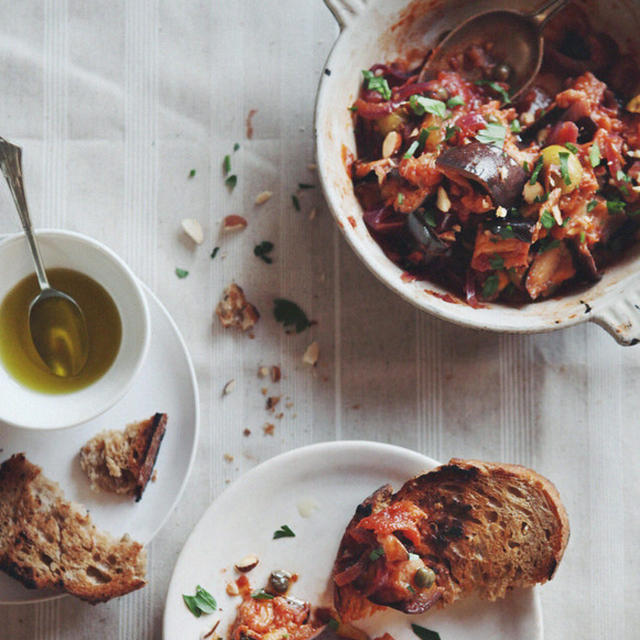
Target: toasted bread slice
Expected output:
[47,542]
[466,527]
[123,461]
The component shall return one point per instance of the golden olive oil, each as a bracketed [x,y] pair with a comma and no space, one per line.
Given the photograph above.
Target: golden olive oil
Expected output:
[17,352]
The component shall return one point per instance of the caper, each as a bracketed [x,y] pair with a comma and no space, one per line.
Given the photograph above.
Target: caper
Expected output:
[442,94]
[424,578]
[280,580]
[502,72]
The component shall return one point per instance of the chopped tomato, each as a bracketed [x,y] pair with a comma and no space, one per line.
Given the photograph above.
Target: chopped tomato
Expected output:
[401,516]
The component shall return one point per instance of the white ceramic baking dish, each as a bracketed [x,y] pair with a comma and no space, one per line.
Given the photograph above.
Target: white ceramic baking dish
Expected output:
[384,30]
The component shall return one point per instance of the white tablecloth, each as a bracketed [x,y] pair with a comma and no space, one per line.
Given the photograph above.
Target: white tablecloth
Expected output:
[114,103]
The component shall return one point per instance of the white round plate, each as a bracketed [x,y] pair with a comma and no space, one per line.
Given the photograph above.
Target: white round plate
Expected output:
[335,477]
[166,383]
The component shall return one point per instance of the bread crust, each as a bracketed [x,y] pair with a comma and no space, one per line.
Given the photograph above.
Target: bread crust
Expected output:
[487,528]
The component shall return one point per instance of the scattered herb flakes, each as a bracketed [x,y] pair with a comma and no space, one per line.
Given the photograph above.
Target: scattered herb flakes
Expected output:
[424,634]
[377,83]
[214,253]
[583,237]
[564,167]
[304,185]
[424,135]
[547,220]
[595,157]
[231,181]
[290,314]
[451,131]
[496,262]
[455,101]
[181,273]
[501,91]
[507,232]
[201,602]
[621,176]
[226,164]
[616,206]
[490,286]
[493,133]
[261,594]
[284,532]
[236,146]
[413,147]
[525,166]
[422,105]
[543,198]
[262,250]
[536,171]
[571,147]
[376,554]
[410,589]
[192,173]
[333,624]
[548,243]
[430,218]
[353,107]
[400,198]
[296,202]
[515,126]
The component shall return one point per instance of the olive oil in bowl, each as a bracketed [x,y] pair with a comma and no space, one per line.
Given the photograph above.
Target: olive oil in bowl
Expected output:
[17,352]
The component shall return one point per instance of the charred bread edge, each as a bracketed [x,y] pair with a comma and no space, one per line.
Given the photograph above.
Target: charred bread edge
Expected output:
[158,428]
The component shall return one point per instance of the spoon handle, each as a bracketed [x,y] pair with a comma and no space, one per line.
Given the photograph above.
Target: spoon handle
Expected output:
[545,13]
[11,167]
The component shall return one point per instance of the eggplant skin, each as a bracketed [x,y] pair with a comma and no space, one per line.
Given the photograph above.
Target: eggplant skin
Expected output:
[501,176]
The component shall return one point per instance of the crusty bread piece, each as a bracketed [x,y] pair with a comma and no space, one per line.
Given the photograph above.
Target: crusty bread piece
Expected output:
[123,461]
[49,542]
[234,310]
[487,528]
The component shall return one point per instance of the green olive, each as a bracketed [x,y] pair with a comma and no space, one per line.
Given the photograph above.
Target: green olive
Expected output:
[551,157]
[502,72]
[424,578]
[280,581]
[392,122]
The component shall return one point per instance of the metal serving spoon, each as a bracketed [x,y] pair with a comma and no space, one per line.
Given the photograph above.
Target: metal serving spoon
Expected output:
[517,44]
[56,322]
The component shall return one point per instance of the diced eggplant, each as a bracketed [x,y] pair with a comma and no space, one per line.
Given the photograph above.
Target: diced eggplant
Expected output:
[498,173]
[521,228]
[585,262]
[549,270]
[421,231]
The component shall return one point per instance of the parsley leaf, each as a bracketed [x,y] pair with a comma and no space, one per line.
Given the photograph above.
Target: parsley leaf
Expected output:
[214,253]
[571,147]
[536,171]
[543,198]
[262,250]
[400,198]
[201,602]
[413,147]
[424,634]
[226,164]
[621,176]
[490,286]
[430,218]
[516,127]
[564,167]
[376,553]
[304,185]
[236,146]
[583,237]
[231,181]
[455,101]
[422,105]
[616,206]
[501,91]
[592,205]
[492,134]
[296,202]
[547,220]
[377,83]
[595,156]
[525,166]
[261,594]
[181,273]
[496,262]
[192,173]
[451,131]
[284,531]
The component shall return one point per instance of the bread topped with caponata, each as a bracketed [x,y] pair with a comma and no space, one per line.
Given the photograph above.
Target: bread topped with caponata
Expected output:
[465,527]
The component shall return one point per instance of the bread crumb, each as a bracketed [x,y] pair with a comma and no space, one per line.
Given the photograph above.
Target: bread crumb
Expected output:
[246,433]
[311,354]
[234,310]
[262,197]
[154,477]
[264,391]
[312,166]
[263,372]
[279,416]
[228,457]
[272,401]
[288,405]
[276,374]
[312,214]
[269,429]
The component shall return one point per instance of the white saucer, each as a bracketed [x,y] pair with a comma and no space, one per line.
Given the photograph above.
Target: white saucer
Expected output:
[166,383]
[335,476]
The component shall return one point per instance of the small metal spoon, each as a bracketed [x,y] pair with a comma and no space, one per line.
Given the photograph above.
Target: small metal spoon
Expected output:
[56,322]
[517,42]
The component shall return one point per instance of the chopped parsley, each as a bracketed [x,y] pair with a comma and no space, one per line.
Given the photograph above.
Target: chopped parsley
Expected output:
[413,147]
[376,553]
[547,220]
[192,173]
[592,205]
[496,262]
[492,134]
[261,594]
[543,198]
[455,101]
[564,167]
[296,202]
[490,286]
[430,218]
[616,206]
[424,634]
[501,91]
[400,198]
[377,83]
[571,147]
[231,181]
[292,317]
[214,253]
[226,164]
[285,530]
[306,185]
[536,171]
[422,105]
[515,126]
[583,237]
[353,107]
[548,243]
[262,250]
[621,176]
[201,602]
[525,166]
[181,273]
[236,146]
[507,232]
[595,156]
[451,131]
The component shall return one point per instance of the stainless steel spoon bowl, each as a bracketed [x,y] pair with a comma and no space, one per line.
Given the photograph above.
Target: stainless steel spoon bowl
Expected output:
[516,37]
[56,322]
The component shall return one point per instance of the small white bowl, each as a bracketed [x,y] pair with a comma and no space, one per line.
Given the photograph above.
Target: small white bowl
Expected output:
[385,30]
[24,407]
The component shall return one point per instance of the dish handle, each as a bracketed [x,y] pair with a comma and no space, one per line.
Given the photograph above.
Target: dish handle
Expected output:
[345,10]
[621,319]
